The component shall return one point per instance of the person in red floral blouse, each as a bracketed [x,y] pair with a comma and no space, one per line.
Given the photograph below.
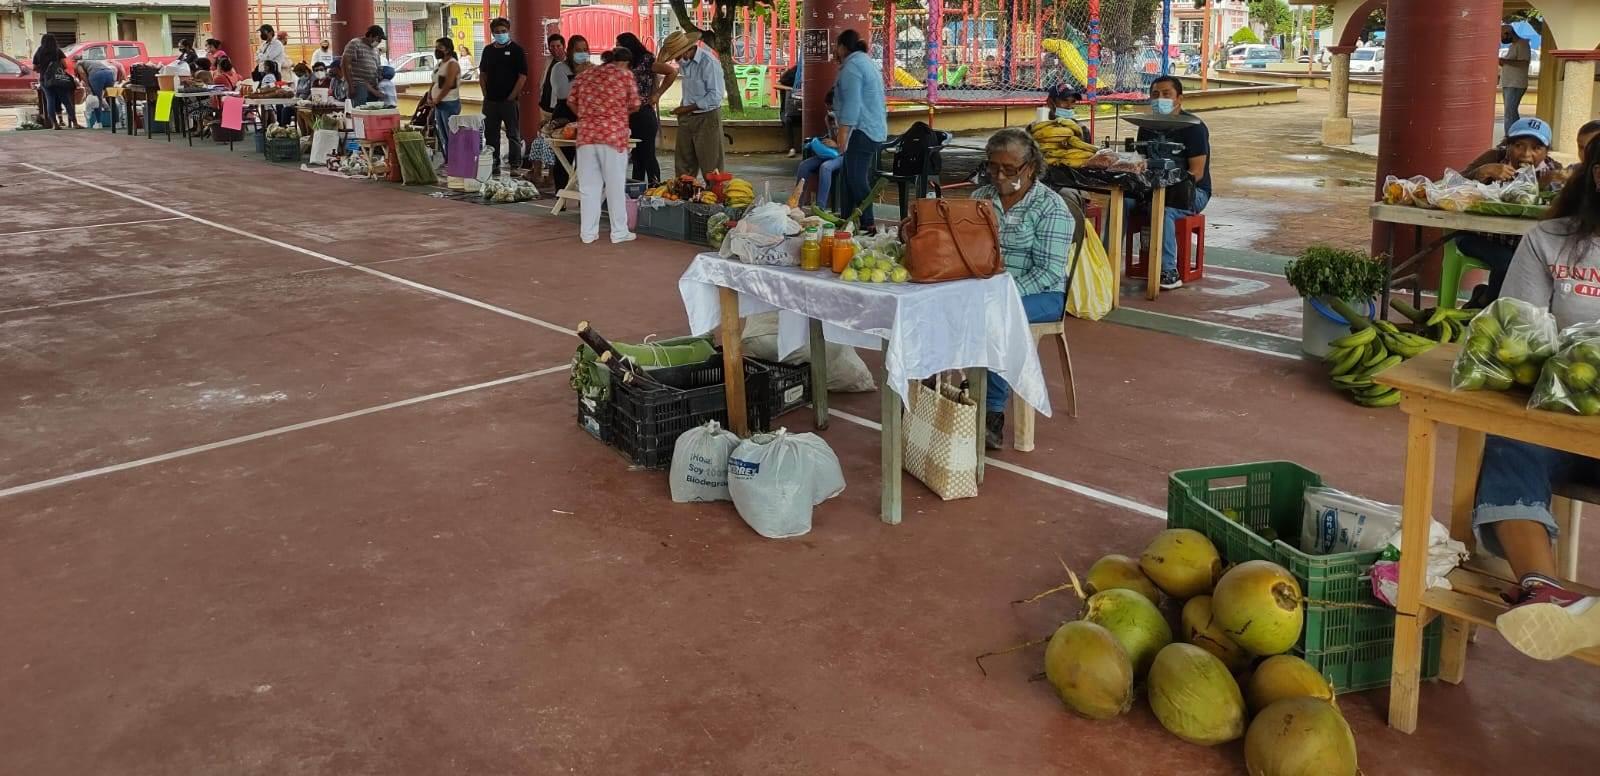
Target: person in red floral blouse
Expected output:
[603,97]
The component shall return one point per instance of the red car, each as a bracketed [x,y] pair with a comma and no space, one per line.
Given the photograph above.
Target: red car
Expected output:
[16,82]
[125,53]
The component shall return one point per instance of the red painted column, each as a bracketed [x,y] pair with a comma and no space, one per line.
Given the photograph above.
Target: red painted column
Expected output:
[351,22]
[823,20]
[1439,83]
[531,22]
[230,23]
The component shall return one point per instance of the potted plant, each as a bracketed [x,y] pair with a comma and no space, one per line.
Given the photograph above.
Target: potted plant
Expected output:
[1333,283]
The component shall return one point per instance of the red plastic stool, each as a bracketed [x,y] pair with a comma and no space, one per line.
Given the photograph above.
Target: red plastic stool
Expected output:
[1134,261]
[1191,234]
[1095,214]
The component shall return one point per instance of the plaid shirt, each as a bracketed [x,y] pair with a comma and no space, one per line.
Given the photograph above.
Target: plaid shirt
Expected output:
[1035,238]
[359,65]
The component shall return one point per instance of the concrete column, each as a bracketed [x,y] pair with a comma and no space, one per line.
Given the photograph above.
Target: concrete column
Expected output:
[351,22]
[1576,104]
[111,29]
[824,20]
[531,22]
[1436,117]
[166,34]
[230,23]
[1337,128]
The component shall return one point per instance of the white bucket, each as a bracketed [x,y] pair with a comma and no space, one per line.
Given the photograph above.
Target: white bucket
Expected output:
[1320,325]
[1041,114]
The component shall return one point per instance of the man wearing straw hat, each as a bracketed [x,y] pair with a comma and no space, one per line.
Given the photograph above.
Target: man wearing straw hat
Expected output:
[699,148]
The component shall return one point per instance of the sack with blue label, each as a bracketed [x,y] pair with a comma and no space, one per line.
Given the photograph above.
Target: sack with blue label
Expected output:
[1336,521]
[775,480]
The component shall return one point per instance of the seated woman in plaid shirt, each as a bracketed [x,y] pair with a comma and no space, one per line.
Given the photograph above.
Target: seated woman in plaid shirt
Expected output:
[1035,237]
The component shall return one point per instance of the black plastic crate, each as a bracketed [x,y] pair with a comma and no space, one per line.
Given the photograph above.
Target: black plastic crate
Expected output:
[788,388]
[283,149]
[646,419]
[668,222]
[697,221]
[594,417]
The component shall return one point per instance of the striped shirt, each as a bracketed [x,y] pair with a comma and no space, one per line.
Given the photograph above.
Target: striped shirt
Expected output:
[359,65]
[702,81]
[1035,238]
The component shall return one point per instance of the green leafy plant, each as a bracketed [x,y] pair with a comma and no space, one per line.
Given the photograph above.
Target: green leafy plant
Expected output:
[1325,271]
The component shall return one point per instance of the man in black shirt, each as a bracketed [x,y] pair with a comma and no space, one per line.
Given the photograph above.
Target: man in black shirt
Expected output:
[502,74]
[1166,99]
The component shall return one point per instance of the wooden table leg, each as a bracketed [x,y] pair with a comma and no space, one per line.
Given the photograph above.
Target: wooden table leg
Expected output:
[1416,512]
[978,389]
[819,374]
[1463,494]
[572,182]
[889,439]
[1116,239]
[733,362]
[1158,226]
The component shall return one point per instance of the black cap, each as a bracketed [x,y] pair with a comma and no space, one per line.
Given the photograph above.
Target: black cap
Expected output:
[1065,92]
[375,32]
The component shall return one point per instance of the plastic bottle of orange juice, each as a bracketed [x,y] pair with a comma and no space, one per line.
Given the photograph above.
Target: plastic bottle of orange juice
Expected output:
[844,249]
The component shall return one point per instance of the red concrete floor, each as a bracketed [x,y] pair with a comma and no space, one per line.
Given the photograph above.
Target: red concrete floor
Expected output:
[469,584]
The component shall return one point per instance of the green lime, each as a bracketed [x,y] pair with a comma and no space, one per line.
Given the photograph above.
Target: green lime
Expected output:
[1496,382]
[1525,374]
[1581,375]
[1587,404]
[1480,346]
[1485,325]
[1588,352]
[1512,351]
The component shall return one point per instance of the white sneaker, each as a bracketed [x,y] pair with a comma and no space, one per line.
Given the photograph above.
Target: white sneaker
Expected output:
[588,240]
[629,237]
[1551,623]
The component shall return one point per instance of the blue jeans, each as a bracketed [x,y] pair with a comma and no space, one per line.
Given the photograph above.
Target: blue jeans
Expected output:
[1169,233]
[1513,99]
[824,169]
[1041,308]
[1516,483]
[860,168]
[57,98]
[442,111]
[359,95]
[99,80]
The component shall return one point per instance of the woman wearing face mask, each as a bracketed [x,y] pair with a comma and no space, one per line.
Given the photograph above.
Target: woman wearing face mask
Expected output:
[604,96]
[445,93]
[1035,236]
[561,90]
[271,49]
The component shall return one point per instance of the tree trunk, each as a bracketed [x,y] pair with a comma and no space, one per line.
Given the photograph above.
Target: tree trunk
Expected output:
[722,27]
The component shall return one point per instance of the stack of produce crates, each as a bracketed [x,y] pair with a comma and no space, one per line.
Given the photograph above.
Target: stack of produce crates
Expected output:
[1253,512]
[669,221]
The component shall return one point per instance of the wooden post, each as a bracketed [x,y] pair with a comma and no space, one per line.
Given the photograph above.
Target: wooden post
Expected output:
[1114,249]
[978,389]
[733,362]
[889,440]
[1158,224]
[1416,512]
[819,374]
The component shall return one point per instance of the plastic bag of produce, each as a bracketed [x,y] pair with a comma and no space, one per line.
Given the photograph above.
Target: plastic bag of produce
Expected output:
[1336,521]
[1570,380]
[1506,345]
[700,464]
[1403,191]
[1457,192]
[1523,189]
[775,480]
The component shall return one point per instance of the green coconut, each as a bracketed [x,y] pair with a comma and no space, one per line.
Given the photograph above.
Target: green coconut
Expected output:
[1200,629]
[1300,737]
[1090,670]
[1258,604]
[1120,572]
[1285,676]
[1138,625]
[1182,562]
[1194,697]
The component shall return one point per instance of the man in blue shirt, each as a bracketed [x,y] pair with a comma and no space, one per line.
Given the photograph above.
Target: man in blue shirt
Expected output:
[699,148]
[863,115]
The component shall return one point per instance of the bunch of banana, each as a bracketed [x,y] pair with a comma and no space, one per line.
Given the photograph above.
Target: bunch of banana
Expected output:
[1447,324]
[1062,142]
[1373,347]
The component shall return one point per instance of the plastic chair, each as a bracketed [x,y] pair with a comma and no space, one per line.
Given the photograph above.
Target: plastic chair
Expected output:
[916,161]
[1191,234]
[752,80]
[1022,434]
[1454,266]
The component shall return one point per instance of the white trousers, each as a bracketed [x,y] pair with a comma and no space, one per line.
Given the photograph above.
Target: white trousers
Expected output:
[602,172]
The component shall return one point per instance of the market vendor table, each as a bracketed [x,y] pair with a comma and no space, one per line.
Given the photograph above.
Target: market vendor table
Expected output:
[1117,185]
[570,191]
[1424,383]
[923,330]
[1451,221]
[181,97]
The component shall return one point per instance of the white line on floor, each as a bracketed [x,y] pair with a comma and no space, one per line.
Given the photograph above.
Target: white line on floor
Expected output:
[315,255]
[89,226]
[1225,268]
[272,432]
[1078,488]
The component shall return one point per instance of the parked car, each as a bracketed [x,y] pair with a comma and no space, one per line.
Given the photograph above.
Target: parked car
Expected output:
[1367,60]
[414,69]
[125,53]
[1253,55]
[17,81]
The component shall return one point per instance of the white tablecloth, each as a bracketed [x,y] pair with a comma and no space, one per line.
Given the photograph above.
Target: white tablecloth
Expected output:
[930,327]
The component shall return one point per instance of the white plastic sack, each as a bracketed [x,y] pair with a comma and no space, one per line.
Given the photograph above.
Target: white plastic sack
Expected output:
[775,480]
[1444,555]
[772,219]
[323,143]
[700,464]
[847,373]
[1336,522]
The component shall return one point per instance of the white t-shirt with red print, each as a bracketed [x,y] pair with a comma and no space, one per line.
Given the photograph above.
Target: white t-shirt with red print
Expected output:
[1553,270]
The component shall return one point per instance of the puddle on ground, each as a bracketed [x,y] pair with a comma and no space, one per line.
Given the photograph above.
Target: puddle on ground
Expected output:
[1298,184]
[1307,157]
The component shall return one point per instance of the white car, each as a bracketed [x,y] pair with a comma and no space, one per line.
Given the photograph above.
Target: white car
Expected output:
[414,69]
[1367,59]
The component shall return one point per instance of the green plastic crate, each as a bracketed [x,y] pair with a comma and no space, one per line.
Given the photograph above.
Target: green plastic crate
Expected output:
[1253,512]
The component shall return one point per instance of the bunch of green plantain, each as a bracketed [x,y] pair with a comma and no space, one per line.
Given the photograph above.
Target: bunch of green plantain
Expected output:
[1448,324]
[1370,348]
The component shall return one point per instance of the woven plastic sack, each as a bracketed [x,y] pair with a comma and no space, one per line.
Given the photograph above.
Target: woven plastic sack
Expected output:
[700,464]
[775,480]
[1506,345]
[1093,287]
[1570,380]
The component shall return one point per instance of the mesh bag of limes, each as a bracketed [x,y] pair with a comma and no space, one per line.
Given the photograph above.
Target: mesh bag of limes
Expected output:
[1513,343]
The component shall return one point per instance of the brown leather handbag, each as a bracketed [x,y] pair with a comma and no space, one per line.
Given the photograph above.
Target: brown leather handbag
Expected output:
[952,239]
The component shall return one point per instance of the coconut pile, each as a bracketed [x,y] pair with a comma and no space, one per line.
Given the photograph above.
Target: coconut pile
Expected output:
[1223,674]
